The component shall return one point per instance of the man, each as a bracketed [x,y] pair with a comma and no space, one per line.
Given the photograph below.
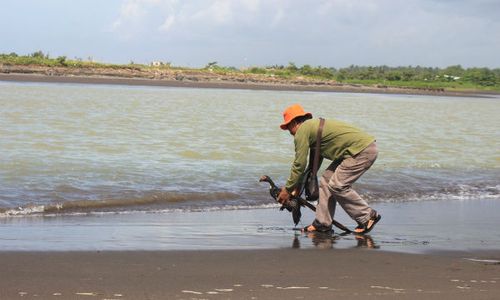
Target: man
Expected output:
[351,151]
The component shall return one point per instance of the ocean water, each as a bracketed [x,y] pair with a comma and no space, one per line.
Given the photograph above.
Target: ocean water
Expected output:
[70,149]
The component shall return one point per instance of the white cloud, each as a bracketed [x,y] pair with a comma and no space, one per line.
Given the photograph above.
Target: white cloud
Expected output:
[136,15]
[326,32]
[190,16]
[169,22]
[221,11]
[278,17]
[258,32]
[218,12]
[251,5]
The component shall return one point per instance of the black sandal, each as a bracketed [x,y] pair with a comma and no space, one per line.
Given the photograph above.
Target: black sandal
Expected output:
[368,225]
[317,227]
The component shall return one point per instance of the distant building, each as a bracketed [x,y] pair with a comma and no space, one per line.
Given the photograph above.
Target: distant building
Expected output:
[160,64]
[451,77]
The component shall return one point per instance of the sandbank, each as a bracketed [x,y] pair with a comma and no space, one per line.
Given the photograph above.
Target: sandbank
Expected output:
[222,83]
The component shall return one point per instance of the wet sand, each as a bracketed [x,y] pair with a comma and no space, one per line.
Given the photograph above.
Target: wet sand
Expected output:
[248,254]
[242,274]
[420,227]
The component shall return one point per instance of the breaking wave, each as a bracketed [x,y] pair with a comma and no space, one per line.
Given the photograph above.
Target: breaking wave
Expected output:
[258,198]
[151,202]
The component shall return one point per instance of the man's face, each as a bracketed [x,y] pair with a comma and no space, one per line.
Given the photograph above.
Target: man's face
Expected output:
[292,127]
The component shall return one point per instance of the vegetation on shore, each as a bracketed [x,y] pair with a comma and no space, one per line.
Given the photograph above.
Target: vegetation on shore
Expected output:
[450,78]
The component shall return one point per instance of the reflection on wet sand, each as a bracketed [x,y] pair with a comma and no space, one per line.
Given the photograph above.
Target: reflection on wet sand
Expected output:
[323,240]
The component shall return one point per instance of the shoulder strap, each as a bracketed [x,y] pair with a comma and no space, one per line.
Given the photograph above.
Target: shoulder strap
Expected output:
[318,143]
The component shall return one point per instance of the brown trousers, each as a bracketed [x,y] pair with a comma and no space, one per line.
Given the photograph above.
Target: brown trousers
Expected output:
[336,186]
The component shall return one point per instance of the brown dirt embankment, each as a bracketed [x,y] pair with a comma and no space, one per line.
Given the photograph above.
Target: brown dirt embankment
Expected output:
[203,79]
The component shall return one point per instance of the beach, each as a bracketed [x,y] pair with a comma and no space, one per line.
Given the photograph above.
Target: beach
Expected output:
[254,254]
[255,274]
[113,190]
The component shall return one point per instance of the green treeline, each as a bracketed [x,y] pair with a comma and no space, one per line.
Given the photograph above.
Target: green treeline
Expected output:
[39,58]
[452,77]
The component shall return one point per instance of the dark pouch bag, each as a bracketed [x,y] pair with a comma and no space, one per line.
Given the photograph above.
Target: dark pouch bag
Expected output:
[311,185]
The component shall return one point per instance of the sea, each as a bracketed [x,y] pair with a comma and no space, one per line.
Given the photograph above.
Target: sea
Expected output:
[87,151]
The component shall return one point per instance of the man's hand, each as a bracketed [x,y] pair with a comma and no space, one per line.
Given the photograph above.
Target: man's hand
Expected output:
[284,196]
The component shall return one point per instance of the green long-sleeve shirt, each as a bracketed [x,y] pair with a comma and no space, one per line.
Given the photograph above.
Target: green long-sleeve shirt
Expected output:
[338,140]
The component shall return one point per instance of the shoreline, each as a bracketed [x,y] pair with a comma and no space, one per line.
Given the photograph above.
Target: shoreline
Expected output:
[222,83]
[422,227]
[246,274]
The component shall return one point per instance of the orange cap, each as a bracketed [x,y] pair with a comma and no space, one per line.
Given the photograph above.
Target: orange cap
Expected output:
[291,113]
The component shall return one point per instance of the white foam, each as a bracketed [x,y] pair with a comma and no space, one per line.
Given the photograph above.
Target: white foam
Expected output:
[488,261]
[23,211]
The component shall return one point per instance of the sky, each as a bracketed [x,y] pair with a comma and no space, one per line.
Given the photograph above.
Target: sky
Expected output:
[245,33]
